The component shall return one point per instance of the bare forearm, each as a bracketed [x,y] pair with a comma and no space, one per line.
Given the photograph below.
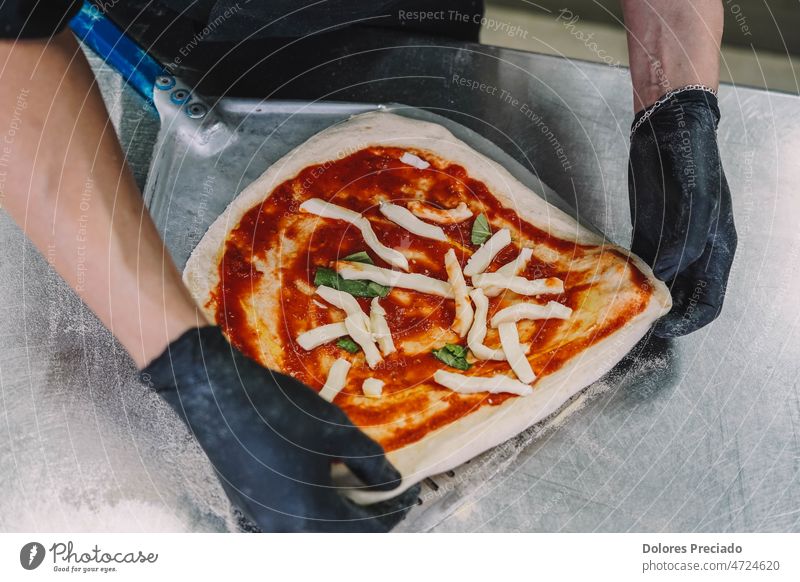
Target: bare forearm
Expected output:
[68,187]
[672,43]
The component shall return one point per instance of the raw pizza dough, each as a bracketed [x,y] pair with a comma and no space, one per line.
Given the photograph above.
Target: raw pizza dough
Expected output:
[454,443]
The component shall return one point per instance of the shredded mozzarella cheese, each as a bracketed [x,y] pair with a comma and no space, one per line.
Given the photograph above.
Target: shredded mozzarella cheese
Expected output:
[327,210]
[352,270]
[336,380]
[477,333]
[464,312]
[391,256]
[510,269]
[380,328]
[343,301]
[402,217]
[481,259]
[553,310]
[518,284]
[362,336]
[321,335]
[372,387]
[414,161]
[515,353]
[473,384]
[440,215]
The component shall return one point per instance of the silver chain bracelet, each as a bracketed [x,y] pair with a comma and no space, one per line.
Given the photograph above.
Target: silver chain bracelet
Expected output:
[655,106]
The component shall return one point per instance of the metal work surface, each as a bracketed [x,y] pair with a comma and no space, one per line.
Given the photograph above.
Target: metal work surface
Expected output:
[694,434]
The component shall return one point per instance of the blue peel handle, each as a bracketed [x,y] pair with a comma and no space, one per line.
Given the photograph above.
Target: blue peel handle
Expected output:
[112,45]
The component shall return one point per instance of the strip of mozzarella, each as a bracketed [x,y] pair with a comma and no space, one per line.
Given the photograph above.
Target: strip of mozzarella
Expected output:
[415,161]
[372,387]
[337,378]
[440,215]
[352,270]
[477,333]
[362,336]
[510,269]
[321,335]
[473,384]
[481,259]
[343,301]
[327,210]
[464,312]
[380,328]
[519,284]
[553,310]
[391,256]
[515,353]
[402,217]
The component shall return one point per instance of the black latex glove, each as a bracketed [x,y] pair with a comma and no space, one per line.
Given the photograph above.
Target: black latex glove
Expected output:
[681,208]
[271,439]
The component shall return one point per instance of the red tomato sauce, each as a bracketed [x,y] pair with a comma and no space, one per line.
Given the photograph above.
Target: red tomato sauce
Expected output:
[358,182]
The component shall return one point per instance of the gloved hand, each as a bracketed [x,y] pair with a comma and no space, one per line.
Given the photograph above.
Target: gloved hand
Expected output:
[681,207]
[271,439]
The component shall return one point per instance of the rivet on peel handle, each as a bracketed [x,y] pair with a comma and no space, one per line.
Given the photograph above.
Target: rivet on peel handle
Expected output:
[179,96]
[165,82]
[195,110]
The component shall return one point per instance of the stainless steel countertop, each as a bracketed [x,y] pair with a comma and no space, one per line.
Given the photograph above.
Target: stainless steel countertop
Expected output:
[698,434]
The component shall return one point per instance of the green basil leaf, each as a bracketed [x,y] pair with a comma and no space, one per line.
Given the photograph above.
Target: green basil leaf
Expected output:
[327,277]
[357,288]
[377,290]
[453,355]
[348,345]
[359,257]
[457,350]
[481,231]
